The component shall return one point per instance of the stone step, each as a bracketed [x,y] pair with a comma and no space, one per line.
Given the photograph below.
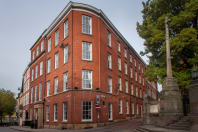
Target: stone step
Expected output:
[178,128]
[181,124]
[141,130]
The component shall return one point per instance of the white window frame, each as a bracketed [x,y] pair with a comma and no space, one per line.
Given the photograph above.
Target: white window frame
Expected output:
[47,113]
[119,64]
[120,106]
[31,96]
[110,111]
[49,46]
[42,45]
[136,91]
[32,74]
[66,28]
[66,54]
[35,94]
[108,38]
[140,93]
[37,51]
[131,58]
[109,61]
[55,112]
[132,108]
[56,60]
[131,72]
[132,89]
[126,86]
[40,91]
[57,37]
[48,88]
[125,68]
[119,49]
[36,72]
[109,84]
[33,54]
[127,107]
[86,25]
[87,51]
[55,85]
[120,83]
[125,52]
[65,111]
[31,114]
[89,72]
[65,81]
[48,65]
[41,68]
[136,76]
[87,120]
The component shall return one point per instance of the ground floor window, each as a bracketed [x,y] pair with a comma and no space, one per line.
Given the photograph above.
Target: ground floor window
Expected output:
[132,108]
[110,112]
[86,111]
[137,112]
[141,110]
[127,107]
[47,113]
[65,111]
[55,112]
[120,106]
[30,114]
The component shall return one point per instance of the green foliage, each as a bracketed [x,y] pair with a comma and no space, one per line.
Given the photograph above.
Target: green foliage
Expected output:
[7,102]
[183,28]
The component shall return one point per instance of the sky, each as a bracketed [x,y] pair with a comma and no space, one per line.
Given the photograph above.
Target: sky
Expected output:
[23,21]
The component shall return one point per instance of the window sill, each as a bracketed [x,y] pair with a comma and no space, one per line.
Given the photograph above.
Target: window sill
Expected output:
[87,88]
[87,34]
[87,60]
[86,120]
[65,121]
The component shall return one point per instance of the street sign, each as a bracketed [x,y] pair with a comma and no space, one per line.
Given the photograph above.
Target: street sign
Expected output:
[98,107]
[97,99]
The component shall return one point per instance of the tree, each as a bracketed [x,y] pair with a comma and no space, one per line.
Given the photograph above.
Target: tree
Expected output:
[183,28]
[7,103]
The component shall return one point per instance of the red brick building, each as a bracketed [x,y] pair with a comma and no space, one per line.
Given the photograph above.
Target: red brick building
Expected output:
[84,72]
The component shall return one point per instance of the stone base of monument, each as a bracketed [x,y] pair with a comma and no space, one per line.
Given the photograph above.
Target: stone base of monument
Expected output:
[171,108]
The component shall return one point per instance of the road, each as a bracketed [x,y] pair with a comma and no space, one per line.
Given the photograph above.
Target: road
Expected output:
[6,129]
[123,126]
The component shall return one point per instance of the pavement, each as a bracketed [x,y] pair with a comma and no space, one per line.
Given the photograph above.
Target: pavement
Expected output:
[122,126]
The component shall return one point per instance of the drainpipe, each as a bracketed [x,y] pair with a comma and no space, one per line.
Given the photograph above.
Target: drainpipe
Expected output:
[72,73]
[45,43]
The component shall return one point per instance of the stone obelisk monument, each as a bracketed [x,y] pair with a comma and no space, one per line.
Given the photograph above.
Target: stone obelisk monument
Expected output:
[170,99]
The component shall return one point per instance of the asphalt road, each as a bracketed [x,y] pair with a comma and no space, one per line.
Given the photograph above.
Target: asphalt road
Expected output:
[6,129]
[123,126]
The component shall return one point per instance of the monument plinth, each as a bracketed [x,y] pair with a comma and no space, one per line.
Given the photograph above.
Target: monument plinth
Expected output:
[170,99]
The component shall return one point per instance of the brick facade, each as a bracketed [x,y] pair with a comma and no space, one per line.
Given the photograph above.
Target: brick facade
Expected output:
[98,65]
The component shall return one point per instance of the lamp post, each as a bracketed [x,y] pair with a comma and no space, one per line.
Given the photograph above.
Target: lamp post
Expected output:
[195,74]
